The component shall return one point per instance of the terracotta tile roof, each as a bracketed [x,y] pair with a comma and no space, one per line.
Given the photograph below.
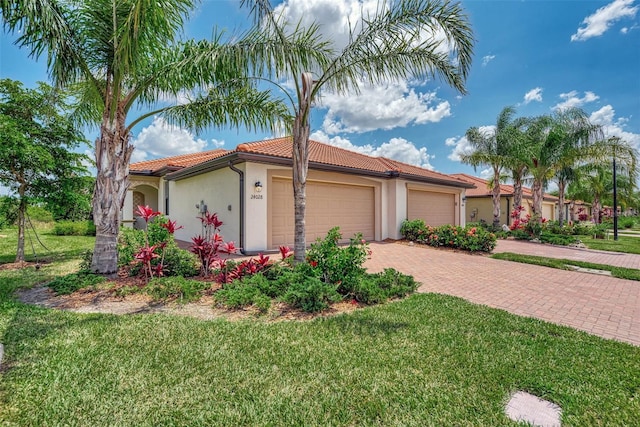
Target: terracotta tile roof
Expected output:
[335,156]
[482,188]
[177,162]
[319,153]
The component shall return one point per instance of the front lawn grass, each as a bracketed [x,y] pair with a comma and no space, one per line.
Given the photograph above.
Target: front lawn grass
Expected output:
[625,244]
[428,360]
[563,264]
[55,247]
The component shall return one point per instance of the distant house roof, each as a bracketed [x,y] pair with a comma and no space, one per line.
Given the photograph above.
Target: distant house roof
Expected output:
[482,188]
[279,151]
[173,163]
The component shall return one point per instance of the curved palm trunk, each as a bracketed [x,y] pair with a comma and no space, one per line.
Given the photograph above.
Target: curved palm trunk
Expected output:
[536,189]
[495,197]
[113,153]
[301,130]
[561,188]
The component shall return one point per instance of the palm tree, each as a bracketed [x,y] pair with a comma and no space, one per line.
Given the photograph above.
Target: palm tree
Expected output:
[492,148]
[558,141]
[397,42]
[123,54]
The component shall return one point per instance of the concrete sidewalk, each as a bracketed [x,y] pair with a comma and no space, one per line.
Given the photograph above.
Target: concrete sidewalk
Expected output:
[577,254]
[600,305]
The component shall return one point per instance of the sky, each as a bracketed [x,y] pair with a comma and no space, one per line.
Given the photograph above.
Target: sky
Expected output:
[538,56]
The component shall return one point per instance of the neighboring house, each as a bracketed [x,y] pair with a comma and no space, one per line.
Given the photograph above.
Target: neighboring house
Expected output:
[479,204]
[251,189]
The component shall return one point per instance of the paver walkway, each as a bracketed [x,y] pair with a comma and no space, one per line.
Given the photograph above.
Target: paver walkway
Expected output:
[577,254]
[601,305]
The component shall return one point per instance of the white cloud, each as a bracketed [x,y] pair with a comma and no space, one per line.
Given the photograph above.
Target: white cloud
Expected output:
[382,107]
[533,95]
[386,106]
[160,139]
[396,148]
[597,24]
[486,59]
[605,117]
[572,99]
[461,144]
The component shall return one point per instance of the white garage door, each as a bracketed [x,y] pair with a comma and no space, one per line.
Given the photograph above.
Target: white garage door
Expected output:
[350,207]
[434,208]
[547,211]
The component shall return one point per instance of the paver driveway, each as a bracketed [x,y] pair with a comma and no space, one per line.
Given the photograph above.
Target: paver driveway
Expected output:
[600,305]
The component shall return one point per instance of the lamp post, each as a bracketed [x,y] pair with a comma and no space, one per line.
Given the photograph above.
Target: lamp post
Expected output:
[615,199]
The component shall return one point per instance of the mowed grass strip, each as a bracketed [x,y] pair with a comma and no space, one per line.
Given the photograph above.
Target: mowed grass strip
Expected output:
[427,360]
[564,264]
[627,244]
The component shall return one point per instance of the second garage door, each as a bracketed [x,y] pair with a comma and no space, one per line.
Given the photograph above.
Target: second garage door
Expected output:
[434,208]
[351,207]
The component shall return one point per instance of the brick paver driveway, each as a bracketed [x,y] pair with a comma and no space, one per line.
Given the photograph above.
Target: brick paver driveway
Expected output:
[600,305]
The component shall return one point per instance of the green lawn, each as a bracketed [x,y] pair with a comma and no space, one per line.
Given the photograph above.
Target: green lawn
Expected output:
[45,246]
[626,244]
[427,360]
[563,264]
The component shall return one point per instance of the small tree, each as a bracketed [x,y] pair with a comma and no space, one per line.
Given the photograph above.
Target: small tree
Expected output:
[35,139]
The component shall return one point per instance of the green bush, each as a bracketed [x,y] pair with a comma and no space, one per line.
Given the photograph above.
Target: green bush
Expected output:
[582,228]
[472,238]
[245,292]
[626,222]
[184,290]
[179,262]
[74,228]
[312,294]
[557,239]
[70,283]
[339,265]
[39,214]
[130,241]
[379,287]
[414,230]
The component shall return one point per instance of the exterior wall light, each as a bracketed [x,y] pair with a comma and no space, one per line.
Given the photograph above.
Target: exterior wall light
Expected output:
[257,186]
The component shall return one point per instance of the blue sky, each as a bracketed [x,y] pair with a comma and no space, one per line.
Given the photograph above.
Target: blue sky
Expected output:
[535,55]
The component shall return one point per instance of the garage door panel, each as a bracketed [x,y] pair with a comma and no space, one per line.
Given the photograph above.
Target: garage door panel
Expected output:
[328,205]
[433,208]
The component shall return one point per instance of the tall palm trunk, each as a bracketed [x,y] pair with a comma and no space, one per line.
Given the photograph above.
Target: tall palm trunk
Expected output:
[301,130]
[113,153]
[517,190]
[22,210]
[495,197]
[536,189]
[561,189]
[595,210]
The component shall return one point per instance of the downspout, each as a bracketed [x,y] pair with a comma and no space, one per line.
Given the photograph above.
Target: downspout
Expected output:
[241,175]
[508,211]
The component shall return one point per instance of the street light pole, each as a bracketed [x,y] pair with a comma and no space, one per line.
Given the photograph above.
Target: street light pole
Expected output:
[615,200]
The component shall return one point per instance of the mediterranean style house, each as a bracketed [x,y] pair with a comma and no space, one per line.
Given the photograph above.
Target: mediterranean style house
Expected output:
[250,188]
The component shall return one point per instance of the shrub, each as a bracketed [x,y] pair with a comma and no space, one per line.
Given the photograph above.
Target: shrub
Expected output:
[414,230]
[74,228]
[471,238]
[185,290]
[627,222]
[582,228]
[311,294]
[179,262]
[245,292]
[379,287]
[70,283]
[339,265]
[557,239]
